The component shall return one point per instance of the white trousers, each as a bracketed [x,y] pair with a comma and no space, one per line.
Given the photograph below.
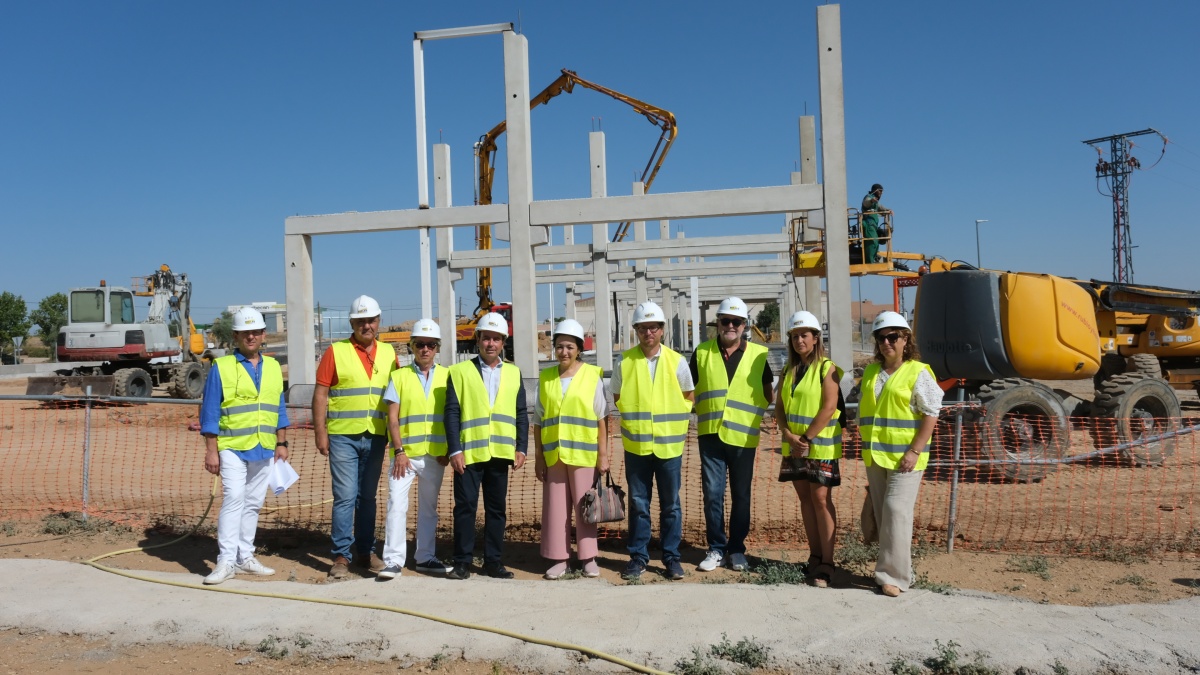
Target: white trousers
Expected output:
[395,547]
[243,489]
[894,496]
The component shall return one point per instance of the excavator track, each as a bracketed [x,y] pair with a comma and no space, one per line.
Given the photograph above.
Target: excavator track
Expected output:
[1135,406]
[1022,420]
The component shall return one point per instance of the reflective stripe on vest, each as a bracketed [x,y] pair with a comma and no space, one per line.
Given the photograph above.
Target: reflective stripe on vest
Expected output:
[570,429]
[487,431]
[249,416]
[356,402]
[888,425]
[654,415]
[734,410]
[802,407]
[422,421]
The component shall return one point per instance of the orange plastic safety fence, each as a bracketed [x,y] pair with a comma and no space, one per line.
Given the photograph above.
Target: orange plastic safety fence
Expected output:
[146,466]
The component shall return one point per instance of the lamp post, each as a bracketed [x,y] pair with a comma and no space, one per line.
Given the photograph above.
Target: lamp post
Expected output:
[977,222]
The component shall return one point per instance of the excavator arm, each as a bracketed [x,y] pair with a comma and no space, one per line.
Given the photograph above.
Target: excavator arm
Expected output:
[485,155]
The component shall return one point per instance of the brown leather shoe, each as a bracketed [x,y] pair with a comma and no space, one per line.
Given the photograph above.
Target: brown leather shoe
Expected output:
[890,590]
[341,567]
[372,563]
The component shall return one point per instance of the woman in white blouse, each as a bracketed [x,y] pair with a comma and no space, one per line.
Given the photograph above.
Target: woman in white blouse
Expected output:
[897,414]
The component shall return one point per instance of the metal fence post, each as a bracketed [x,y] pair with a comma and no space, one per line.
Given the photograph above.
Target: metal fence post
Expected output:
[953,518]
[87,448]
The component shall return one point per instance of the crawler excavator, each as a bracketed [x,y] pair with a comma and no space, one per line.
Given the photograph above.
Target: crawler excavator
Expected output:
[133,357]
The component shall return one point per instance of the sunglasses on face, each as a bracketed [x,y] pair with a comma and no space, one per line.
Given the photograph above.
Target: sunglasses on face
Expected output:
[732,322]
[890,338]
[425,345]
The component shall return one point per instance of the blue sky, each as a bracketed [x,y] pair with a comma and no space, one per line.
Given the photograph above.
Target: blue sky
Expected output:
[139,133]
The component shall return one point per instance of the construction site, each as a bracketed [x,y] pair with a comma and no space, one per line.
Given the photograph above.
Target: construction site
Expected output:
[1056,529]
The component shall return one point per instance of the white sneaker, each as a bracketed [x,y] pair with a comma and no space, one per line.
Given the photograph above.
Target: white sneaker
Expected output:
[434,566]
[252,566]
[711,561]
[389,572]
[223,572]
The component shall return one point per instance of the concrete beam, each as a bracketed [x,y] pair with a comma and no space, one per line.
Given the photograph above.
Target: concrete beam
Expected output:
[676,205]
[384,221]
[700,246]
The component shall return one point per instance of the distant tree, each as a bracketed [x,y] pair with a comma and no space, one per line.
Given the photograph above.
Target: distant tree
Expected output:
[768,319]
[222,329]
[50,315]
[13,321]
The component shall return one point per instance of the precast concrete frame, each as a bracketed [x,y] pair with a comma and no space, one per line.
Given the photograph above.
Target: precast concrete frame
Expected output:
[524,215]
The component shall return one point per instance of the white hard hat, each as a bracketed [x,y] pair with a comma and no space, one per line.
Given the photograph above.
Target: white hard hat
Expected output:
[733,307]
[426,328]
[889,320]
[803,319]
[493,322]
[569,327]
[248,318]
[648,312]
[364,307]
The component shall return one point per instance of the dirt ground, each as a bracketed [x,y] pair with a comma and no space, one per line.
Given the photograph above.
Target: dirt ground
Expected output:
[1088,507]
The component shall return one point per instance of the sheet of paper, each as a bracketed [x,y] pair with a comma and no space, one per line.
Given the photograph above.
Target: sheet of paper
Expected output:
[282,476]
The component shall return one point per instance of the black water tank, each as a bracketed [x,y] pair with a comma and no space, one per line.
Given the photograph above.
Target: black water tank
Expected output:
[958,325]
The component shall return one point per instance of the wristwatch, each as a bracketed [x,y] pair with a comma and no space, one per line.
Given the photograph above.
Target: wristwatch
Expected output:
[283,443]
[399,451]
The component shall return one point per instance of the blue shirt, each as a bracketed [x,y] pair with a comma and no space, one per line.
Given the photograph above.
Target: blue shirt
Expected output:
[214,395]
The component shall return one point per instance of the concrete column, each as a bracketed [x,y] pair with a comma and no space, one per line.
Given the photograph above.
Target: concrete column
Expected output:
[570,297]
[602,294]
[520,194]
[298,285]
[697,328]
[787,303]
[808,176]
[664,233]
[639,234]
[426,277]
[668,306]
[833,165]
[419,102]
[447,319]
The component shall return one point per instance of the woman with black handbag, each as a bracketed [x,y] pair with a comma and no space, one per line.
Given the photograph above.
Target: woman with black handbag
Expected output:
[571,438]
[810,421]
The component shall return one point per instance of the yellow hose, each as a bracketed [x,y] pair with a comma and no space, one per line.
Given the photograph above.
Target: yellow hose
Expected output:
[594,653]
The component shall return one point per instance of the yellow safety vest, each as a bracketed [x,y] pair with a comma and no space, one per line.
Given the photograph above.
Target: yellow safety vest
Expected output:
[249,416]
[732,410]
[802,407]
[422,421]
[654,415]
[356,402]
[570,428]
[487,431]
[888,426]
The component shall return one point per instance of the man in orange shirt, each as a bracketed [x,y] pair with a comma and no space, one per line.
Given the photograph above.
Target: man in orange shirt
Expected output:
[350,419]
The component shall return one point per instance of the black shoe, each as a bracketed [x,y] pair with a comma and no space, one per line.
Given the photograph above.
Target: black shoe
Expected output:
[674,570]
[459,572]
[633,570]
[497,571]
[900,265]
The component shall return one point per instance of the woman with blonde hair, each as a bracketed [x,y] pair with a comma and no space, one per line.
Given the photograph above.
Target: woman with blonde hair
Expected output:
[809,418]
[571,438]
[896,417]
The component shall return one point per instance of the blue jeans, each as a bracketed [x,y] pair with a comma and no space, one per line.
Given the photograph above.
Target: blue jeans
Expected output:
[355,464]
[717,458]
[640,472]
